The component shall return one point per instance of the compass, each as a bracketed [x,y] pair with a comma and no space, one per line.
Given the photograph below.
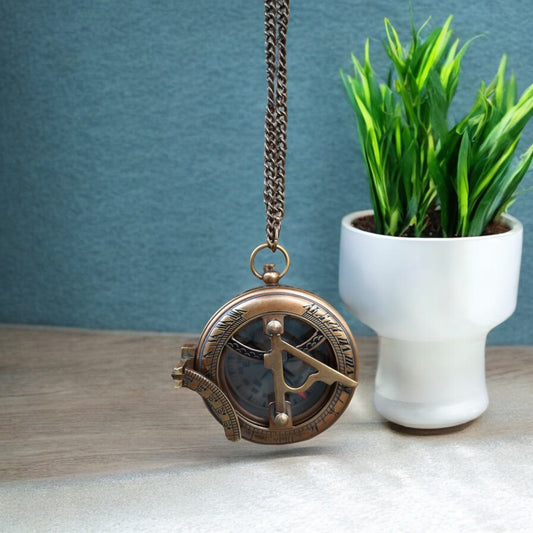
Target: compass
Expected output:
[278,364]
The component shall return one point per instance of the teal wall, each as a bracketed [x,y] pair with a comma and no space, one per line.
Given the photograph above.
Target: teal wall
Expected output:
[131,146]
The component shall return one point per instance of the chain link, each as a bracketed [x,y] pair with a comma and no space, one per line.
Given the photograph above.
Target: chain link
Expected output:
[276,22]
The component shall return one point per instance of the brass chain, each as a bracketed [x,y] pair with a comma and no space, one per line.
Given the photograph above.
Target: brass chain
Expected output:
[276,22]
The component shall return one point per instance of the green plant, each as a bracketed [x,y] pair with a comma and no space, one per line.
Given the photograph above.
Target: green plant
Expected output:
[416,164]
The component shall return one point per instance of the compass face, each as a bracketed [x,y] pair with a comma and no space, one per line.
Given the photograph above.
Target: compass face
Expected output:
[251,386]
[235,349]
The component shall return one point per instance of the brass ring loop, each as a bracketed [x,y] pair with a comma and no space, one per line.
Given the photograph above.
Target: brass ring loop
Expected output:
[256,273]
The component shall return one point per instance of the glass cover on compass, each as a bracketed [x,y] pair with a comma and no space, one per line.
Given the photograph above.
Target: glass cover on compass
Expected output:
[250,385]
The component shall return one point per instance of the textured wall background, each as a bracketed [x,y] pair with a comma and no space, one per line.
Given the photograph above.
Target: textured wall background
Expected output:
[131,150]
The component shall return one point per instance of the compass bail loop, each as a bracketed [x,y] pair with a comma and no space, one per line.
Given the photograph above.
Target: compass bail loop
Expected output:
[269,275]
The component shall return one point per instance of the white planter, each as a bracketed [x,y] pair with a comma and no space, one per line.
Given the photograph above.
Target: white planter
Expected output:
[432,302]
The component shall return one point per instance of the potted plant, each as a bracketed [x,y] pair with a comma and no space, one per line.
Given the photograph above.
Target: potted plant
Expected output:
[435,265]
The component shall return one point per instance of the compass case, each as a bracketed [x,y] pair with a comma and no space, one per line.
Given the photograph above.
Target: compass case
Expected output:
[285,384]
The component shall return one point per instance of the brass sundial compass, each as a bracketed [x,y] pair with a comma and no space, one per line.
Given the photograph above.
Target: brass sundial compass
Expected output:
[276,364]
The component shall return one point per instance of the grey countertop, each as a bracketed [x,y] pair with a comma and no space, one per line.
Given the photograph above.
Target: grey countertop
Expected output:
[93,437]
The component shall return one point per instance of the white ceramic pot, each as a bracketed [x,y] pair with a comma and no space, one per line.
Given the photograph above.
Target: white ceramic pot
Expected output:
[432,302]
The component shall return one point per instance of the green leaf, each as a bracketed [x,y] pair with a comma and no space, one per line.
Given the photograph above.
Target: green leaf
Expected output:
[450,70]
[462,184]
[500,82]
[438,41]
[394,47]
[510,125]
[499,194]
[497,167]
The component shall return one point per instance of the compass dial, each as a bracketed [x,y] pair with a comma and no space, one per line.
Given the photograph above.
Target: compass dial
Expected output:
[251,386]
[286,386]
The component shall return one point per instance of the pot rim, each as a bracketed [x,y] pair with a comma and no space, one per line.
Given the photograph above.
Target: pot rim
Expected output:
[514,224]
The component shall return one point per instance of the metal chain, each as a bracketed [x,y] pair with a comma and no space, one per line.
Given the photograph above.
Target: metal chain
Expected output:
[276,22]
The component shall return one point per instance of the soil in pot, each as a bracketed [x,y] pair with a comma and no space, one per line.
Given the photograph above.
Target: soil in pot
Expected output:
[433,228]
